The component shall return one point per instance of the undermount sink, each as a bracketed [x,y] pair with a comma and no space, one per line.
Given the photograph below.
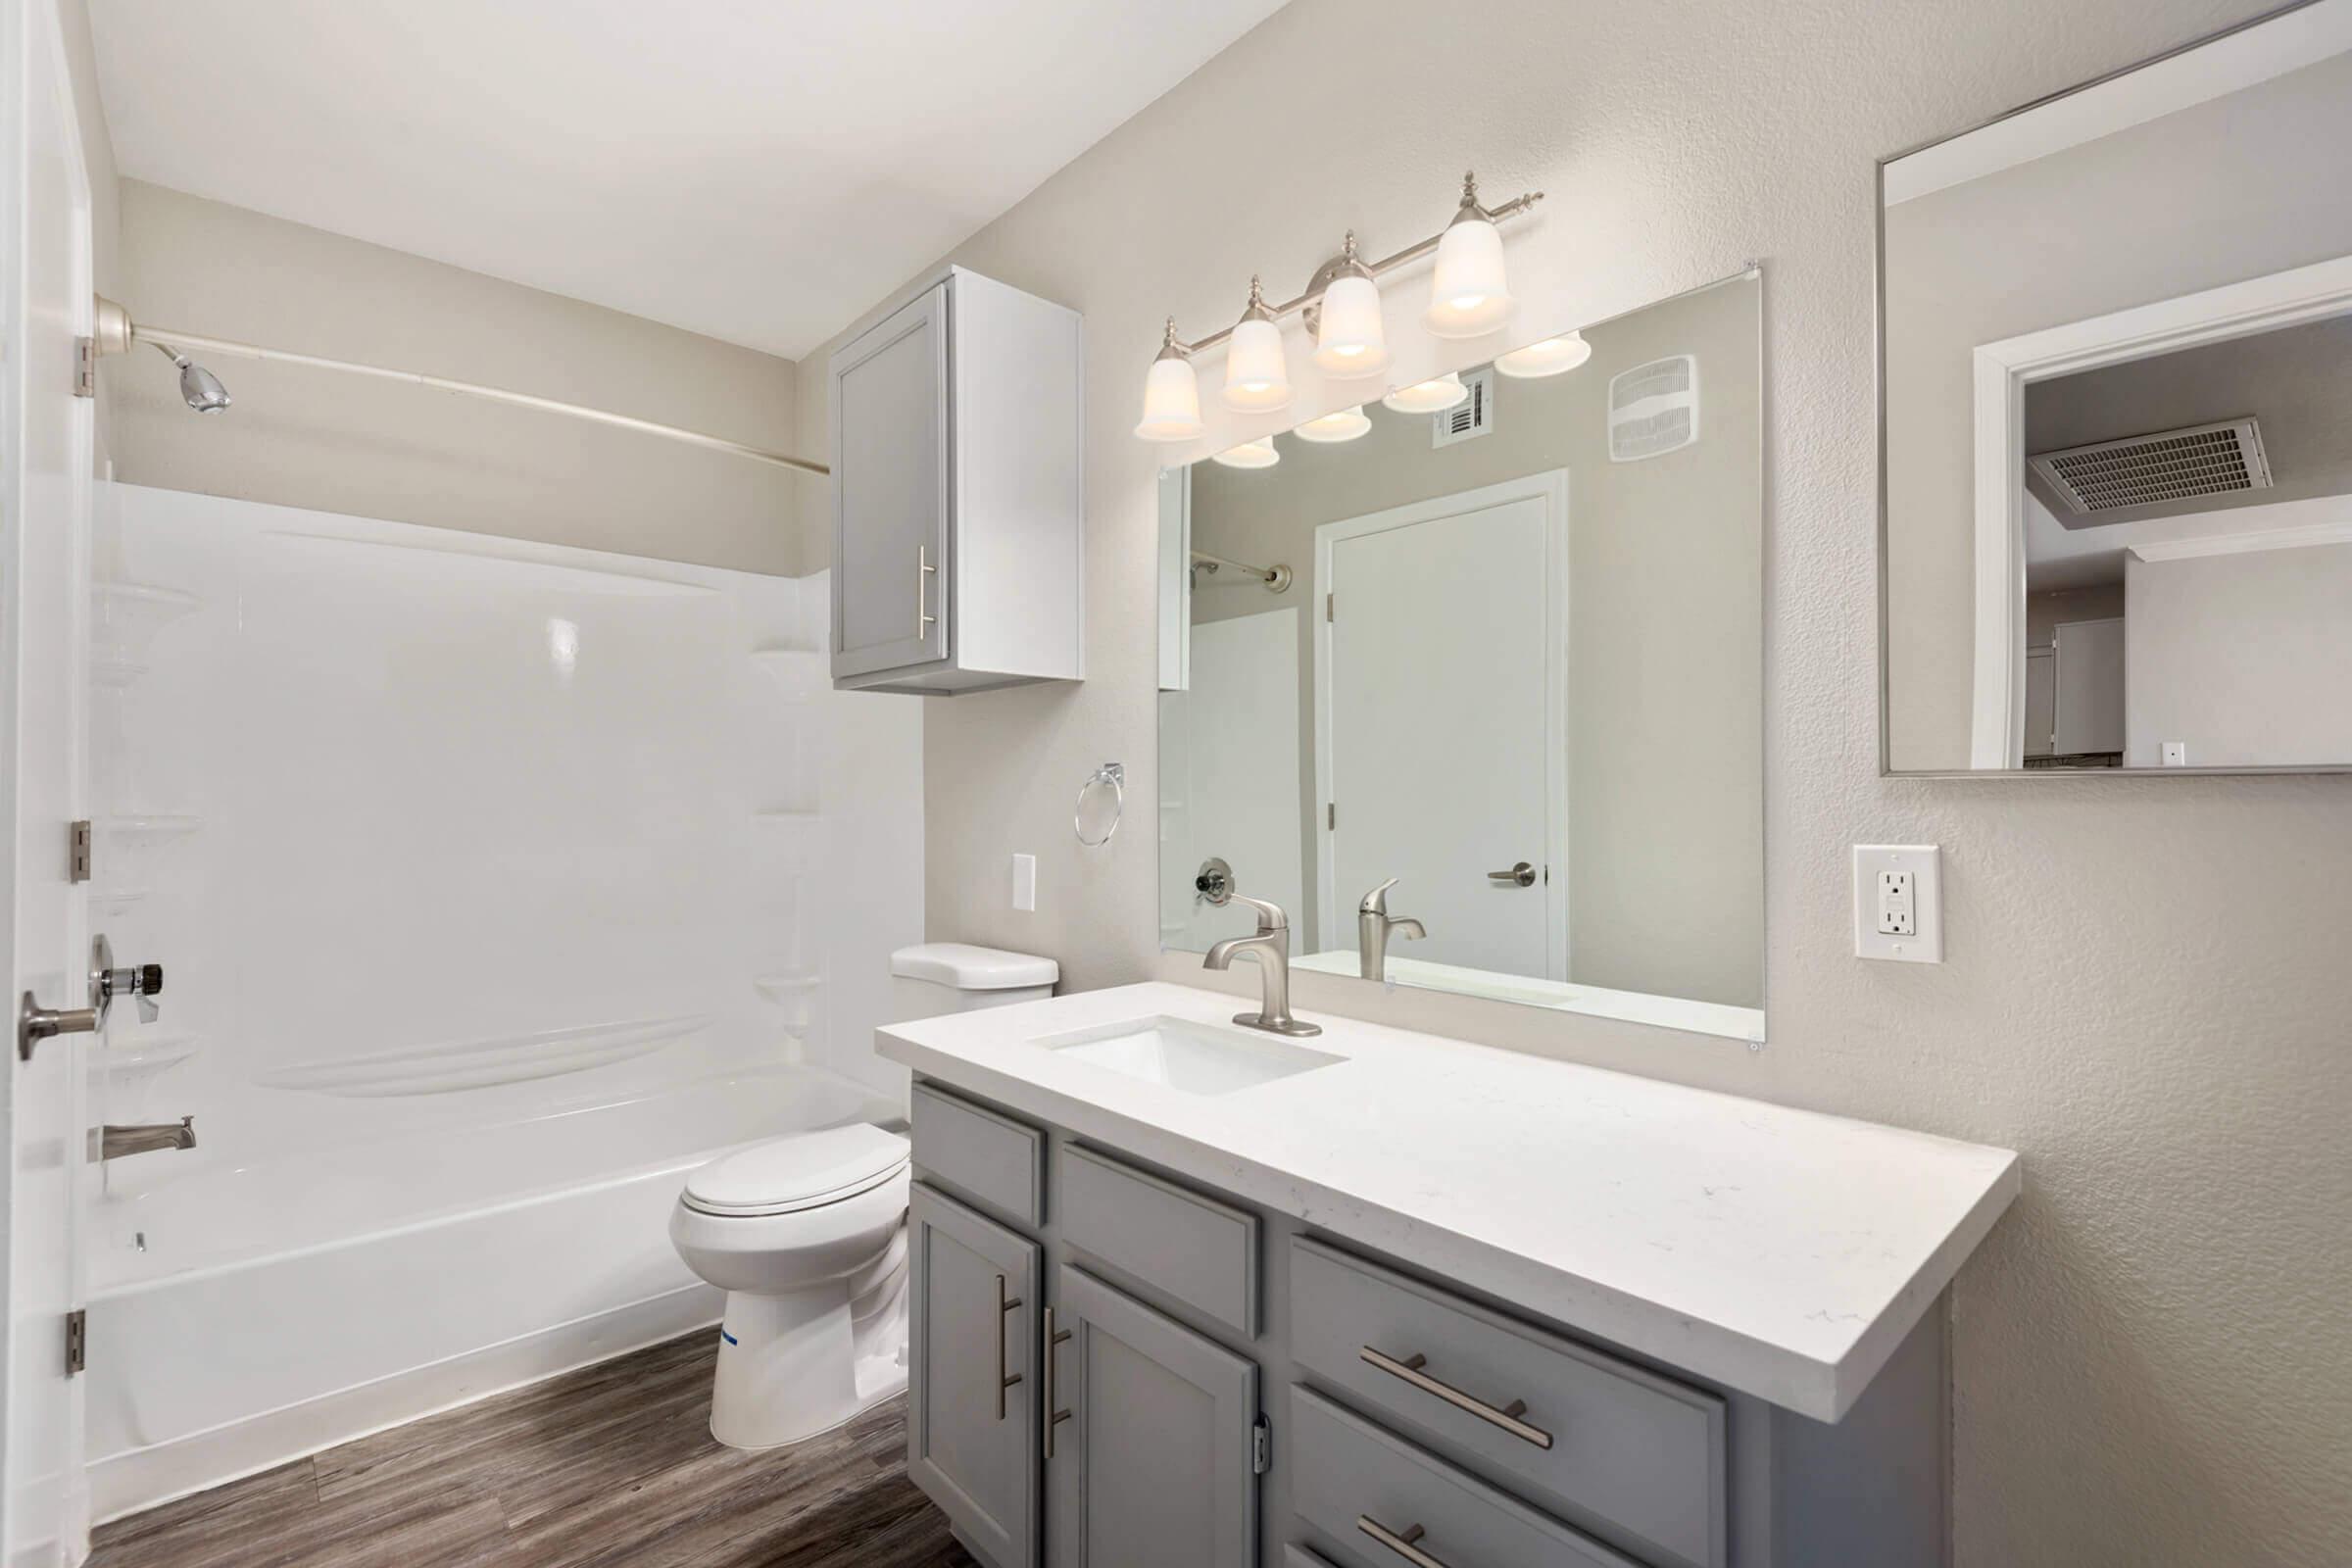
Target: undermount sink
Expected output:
[1194,1059]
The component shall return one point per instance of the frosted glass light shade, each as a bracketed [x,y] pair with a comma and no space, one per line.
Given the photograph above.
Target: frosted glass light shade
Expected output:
[1468,295]
[1427,397]
[1171,402]
[1551,357]
[1256,377]
[1350,341]
[1343,424]
[1259,453]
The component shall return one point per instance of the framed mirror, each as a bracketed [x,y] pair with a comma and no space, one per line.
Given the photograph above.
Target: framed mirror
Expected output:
[1468,679]
[2116,421]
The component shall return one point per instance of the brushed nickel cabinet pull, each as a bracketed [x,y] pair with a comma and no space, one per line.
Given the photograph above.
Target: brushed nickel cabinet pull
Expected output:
[1004,1306]
[923,574]
[1054,1417]
[1507,1417]
[1402,1544]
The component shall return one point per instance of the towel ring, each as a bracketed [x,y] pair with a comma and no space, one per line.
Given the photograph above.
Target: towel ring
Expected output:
[1100,801]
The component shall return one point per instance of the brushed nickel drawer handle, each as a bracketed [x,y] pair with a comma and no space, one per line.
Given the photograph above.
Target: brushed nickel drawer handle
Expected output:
[923,574]
[1401,1544]
[1005,1306]
[1054,1417]
[1409,1371]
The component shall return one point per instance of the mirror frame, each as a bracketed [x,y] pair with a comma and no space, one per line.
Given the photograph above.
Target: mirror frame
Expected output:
[1886,767]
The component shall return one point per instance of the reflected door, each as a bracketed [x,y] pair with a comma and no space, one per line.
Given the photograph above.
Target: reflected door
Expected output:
[1442,698]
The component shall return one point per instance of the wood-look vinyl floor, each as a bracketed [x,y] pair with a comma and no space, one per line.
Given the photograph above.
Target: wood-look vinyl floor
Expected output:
[613,1467]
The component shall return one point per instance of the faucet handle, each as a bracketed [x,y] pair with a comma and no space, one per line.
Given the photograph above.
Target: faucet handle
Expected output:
[1375,901]
[1270,917]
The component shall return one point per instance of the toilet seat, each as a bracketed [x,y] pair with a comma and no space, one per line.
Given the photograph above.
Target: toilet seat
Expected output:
[801,1172]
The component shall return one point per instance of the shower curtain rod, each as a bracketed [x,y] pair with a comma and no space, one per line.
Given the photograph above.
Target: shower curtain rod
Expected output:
[163,337]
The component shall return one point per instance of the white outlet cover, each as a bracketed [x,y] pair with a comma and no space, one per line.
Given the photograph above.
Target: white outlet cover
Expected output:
[1925,865]
[1024,882]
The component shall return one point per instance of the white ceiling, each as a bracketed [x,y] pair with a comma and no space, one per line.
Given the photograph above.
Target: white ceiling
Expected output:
[755,171]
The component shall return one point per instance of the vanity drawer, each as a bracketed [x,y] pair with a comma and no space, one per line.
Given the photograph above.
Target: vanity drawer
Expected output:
[980,1154]
[1188,1246]
[1369,1492]
[1609,1444]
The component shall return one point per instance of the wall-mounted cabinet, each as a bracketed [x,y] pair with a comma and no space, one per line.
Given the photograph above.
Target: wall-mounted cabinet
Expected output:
[958,496]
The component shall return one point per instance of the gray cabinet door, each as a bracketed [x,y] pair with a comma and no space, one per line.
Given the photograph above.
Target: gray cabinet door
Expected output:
[891,483]
[1155,1466]
[971,1439]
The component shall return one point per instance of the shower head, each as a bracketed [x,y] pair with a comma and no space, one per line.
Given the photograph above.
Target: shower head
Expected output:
[199,386]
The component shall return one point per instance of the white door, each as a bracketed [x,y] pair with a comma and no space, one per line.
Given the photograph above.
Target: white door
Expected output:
[45,487]
[2089,655]
[1441,712]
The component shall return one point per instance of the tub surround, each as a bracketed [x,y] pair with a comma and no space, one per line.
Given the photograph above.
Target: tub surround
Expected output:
[1781,1254]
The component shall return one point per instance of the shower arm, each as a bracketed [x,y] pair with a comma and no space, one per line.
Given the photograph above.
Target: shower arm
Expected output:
[116,332]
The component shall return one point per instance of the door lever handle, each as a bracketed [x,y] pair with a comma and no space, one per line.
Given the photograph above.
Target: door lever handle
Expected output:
[1520,876]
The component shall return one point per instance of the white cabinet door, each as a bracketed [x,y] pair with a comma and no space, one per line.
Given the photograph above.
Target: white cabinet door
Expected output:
[2089,655]
[890,492]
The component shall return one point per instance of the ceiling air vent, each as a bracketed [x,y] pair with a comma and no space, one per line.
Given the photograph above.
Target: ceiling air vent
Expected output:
[2144,471]
[1473,416]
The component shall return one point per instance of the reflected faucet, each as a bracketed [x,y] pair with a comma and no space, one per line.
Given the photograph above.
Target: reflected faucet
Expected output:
[113,1141]
[1372,928]
[1271,948]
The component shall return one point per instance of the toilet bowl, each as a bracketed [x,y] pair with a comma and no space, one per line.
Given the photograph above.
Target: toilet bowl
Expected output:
[807,1237]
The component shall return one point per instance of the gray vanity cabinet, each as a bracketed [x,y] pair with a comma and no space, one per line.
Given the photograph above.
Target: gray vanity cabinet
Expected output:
[1155,1464]
[971,1415]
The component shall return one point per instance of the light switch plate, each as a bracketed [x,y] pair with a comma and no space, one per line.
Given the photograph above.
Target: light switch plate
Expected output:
[1898,903]
[1024,883]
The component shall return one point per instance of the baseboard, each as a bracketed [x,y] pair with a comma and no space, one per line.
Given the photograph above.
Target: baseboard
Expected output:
[138,1479]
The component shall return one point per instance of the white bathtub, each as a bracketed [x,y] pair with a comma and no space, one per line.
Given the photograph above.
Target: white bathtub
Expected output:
[346,1303]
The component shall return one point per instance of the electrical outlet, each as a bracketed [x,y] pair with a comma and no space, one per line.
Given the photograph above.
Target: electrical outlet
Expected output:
[2175,753]
[1024,883]
[1898,903]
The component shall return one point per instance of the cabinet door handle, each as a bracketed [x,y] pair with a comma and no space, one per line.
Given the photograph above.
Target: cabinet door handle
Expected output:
[924,571]
[1054,1417]
[1507,1417]
[1004,1306]
[1401,1544]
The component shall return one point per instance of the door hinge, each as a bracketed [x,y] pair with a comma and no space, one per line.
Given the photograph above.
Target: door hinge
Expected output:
[85,366]
[1331,814]
[78,850]
[78,1341]
[1262,1445]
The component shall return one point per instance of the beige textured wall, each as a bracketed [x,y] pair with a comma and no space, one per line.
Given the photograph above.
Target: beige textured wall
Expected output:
[375,449]
[2088,214]
[1666,771]
[2144,989]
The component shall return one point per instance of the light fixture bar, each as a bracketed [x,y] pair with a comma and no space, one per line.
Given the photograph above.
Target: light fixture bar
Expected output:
[1513,208]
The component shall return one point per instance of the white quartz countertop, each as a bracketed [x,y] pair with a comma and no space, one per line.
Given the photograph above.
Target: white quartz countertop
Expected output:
[1779,1253]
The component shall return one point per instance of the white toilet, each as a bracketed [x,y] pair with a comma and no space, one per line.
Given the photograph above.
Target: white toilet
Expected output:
[807,1237]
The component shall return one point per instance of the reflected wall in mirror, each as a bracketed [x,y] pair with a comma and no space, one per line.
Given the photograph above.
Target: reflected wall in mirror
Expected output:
[1474,690]
[2117,369]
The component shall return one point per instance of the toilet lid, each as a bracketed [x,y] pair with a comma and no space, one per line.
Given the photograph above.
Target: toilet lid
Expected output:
[803,1171]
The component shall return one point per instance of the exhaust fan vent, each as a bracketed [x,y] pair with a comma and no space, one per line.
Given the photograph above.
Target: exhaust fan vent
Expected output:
[1474,416]
[2141,471]
[1653,408]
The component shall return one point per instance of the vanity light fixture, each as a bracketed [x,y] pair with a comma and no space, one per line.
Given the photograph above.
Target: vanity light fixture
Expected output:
[1341,307]
[1427,397]
[1468,295]
[1341,424]
[1553,356]
[1259,453]
[1349,341]
[1171,394]
[1257,380]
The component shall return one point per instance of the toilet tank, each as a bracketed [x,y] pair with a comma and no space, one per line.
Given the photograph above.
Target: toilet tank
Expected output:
[935,977]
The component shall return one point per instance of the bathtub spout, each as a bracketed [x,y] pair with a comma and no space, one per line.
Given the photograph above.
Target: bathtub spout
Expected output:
[113,1141]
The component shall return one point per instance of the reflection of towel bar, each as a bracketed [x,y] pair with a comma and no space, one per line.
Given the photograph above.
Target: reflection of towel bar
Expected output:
[1276,577]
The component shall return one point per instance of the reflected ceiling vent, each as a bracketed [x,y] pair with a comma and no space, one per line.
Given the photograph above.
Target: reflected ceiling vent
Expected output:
[2145,470]
[1472,416]
[1653,408]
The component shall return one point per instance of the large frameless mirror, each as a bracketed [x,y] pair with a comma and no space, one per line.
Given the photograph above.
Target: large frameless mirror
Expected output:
[1468,679]
[2117,384]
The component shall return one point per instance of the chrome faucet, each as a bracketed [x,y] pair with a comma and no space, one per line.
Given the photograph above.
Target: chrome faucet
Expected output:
[115,1142]
[1271,948]
[1372,928]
